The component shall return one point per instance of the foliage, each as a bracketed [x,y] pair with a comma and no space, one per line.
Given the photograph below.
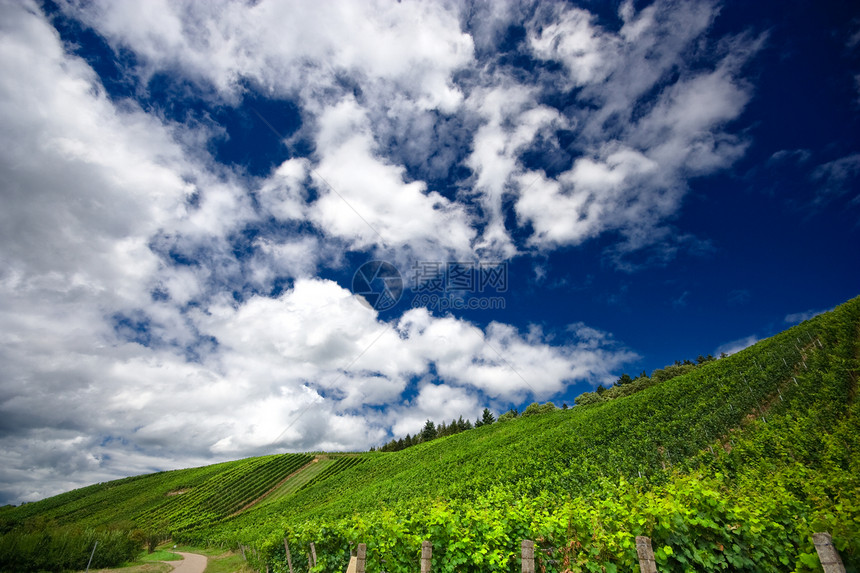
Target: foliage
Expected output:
[509,415]
[535,409]
[65,548]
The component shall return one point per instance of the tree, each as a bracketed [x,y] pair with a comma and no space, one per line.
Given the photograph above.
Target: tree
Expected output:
[509,415]
[487,417]
[625,379]
[442,430]
[534,409]
[588,398]
[429,431]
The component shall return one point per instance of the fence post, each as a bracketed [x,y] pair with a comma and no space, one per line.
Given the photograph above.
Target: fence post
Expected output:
[528,556]
[314,553]
[645,554]
[96,544]
[360,558]
[426,556]
[830,561]
[289,559]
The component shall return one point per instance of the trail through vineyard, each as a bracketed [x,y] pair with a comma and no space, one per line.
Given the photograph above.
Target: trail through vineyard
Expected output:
[191,563]
[275,487]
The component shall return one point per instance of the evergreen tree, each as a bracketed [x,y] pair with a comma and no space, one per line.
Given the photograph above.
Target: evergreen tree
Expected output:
[442,430]
[487,417]
[429,431]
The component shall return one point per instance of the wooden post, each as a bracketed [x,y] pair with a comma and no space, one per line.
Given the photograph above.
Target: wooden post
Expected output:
[830,561]
[528,556]
[360,558]
[289,559]
[314,553]
[645,554]
[426,556]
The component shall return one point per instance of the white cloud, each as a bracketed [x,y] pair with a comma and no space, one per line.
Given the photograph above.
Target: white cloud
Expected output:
[798,317]
[636,152]
[572,38]
[290,47]
[365,200]
[512,120]
[836,178]
[736,345]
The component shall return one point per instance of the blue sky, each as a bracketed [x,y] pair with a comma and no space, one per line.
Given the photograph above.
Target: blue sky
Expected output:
[189,190]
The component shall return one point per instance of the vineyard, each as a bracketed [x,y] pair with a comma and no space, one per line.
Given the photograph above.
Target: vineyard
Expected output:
[731,466]
[166,501]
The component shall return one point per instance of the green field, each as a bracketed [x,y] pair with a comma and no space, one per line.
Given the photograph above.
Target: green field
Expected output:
[731,466]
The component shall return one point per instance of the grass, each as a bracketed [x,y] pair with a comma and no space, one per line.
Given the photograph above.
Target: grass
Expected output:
[293,484]
[159,555]
[138,568]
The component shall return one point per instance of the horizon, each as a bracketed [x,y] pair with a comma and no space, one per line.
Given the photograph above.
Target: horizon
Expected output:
[235,230]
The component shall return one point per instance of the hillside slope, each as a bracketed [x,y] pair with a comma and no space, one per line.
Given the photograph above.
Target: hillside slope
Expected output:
[731,466]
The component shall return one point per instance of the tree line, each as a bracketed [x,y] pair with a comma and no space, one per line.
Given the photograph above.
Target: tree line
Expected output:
[626,384]
[431,430]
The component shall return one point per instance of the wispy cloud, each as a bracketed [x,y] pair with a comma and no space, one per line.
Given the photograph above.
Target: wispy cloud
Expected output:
[735,346]
[798,317]
[738,297]
[838,178]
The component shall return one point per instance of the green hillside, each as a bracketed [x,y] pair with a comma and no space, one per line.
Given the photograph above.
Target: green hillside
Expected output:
[731,466]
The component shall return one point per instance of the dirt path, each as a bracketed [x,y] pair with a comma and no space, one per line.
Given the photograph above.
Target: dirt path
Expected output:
[192,563]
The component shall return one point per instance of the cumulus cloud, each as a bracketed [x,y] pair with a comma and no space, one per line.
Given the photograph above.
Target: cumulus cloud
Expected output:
[366,201]
[291,47]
